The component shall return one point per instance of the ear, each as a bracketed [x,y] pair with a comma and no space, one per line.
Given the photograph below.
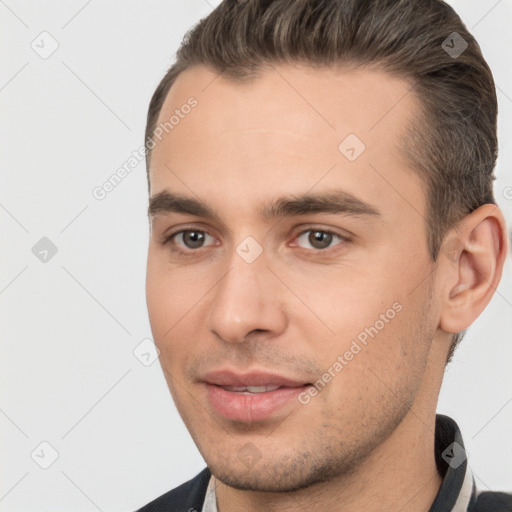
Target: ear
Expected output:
[471,258]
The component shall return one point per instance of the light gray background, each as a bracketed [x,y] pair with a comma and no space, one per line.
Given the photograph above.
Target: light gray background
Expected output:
[68,374]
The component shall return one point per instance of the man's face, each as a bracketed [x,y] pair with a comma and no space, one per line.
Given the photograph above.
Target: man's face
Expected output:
[338,298]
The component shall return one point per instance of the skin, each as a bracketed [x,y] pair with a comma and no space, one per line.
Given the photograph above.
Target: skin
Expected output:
[365,442]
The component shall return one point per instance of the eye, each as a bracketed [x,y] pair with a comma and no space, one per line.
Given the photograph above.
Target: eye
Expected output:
[319,239]
[187,240]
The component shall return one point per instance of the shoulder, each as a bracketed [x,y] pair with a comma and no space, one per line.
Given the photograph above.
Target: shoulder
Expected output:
[188,497]
[493,502]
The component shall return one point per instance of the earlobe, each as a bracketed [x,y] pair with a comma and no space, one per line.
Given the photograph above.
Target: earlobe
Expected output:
[472,266]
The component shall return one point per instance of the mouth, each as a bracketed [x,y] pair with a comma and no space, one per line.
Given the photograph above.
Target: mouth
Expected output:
[251,397]
[251,390]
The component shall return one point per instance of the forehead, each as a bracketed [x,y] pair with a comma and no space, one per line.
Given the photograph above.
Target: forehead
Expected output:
[284,131]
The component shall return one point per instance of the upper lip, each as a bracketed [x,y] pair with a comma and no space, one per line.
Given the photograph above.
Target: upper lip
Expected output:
[254,378]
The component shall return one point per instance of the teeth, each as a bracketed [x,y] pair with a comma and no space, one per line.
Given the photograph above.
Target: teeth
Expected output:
[261,389]
[250,389]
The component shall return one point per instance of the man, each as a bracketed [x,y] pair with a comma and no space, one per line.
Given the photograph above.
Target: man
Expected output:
[323,232]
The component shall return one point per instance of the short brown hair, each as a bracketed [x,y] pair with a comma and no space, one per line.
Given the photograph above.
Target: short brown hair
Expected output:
[452,144]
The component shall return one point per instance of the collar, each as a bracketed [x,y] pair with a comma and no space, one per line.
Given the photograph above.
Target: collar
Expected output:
[457,492]
[210,500]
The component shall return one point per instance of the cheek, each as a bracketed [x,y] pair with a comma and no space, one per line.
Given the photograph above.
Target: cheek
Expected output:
[157,299]
[167,302]
[374,379]
[369,319]
[346,301]
[175,301]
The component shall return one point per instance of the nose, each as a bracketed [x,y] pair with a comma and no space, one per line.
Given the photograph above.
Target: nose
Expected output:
[248,298]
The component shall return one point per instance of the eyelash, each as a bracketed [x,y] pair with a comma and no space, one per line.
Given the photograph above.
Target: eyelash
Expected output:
[168,239]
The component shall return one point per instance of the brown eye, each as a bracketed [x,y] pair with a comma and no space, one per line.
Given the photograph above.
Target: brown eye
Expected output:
[319,239]
[191,239]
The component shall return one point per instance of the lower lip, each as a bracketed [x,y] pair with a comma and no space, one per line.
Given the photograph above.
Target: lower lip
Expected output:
[250,408]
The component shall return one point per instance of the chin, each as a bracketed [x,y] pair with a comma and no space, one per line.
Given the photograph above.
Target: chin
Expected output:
[288,476]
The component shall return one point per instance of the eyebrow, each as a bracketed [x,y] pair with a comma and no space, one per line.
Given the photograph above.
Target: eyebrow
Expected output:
[334,202]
